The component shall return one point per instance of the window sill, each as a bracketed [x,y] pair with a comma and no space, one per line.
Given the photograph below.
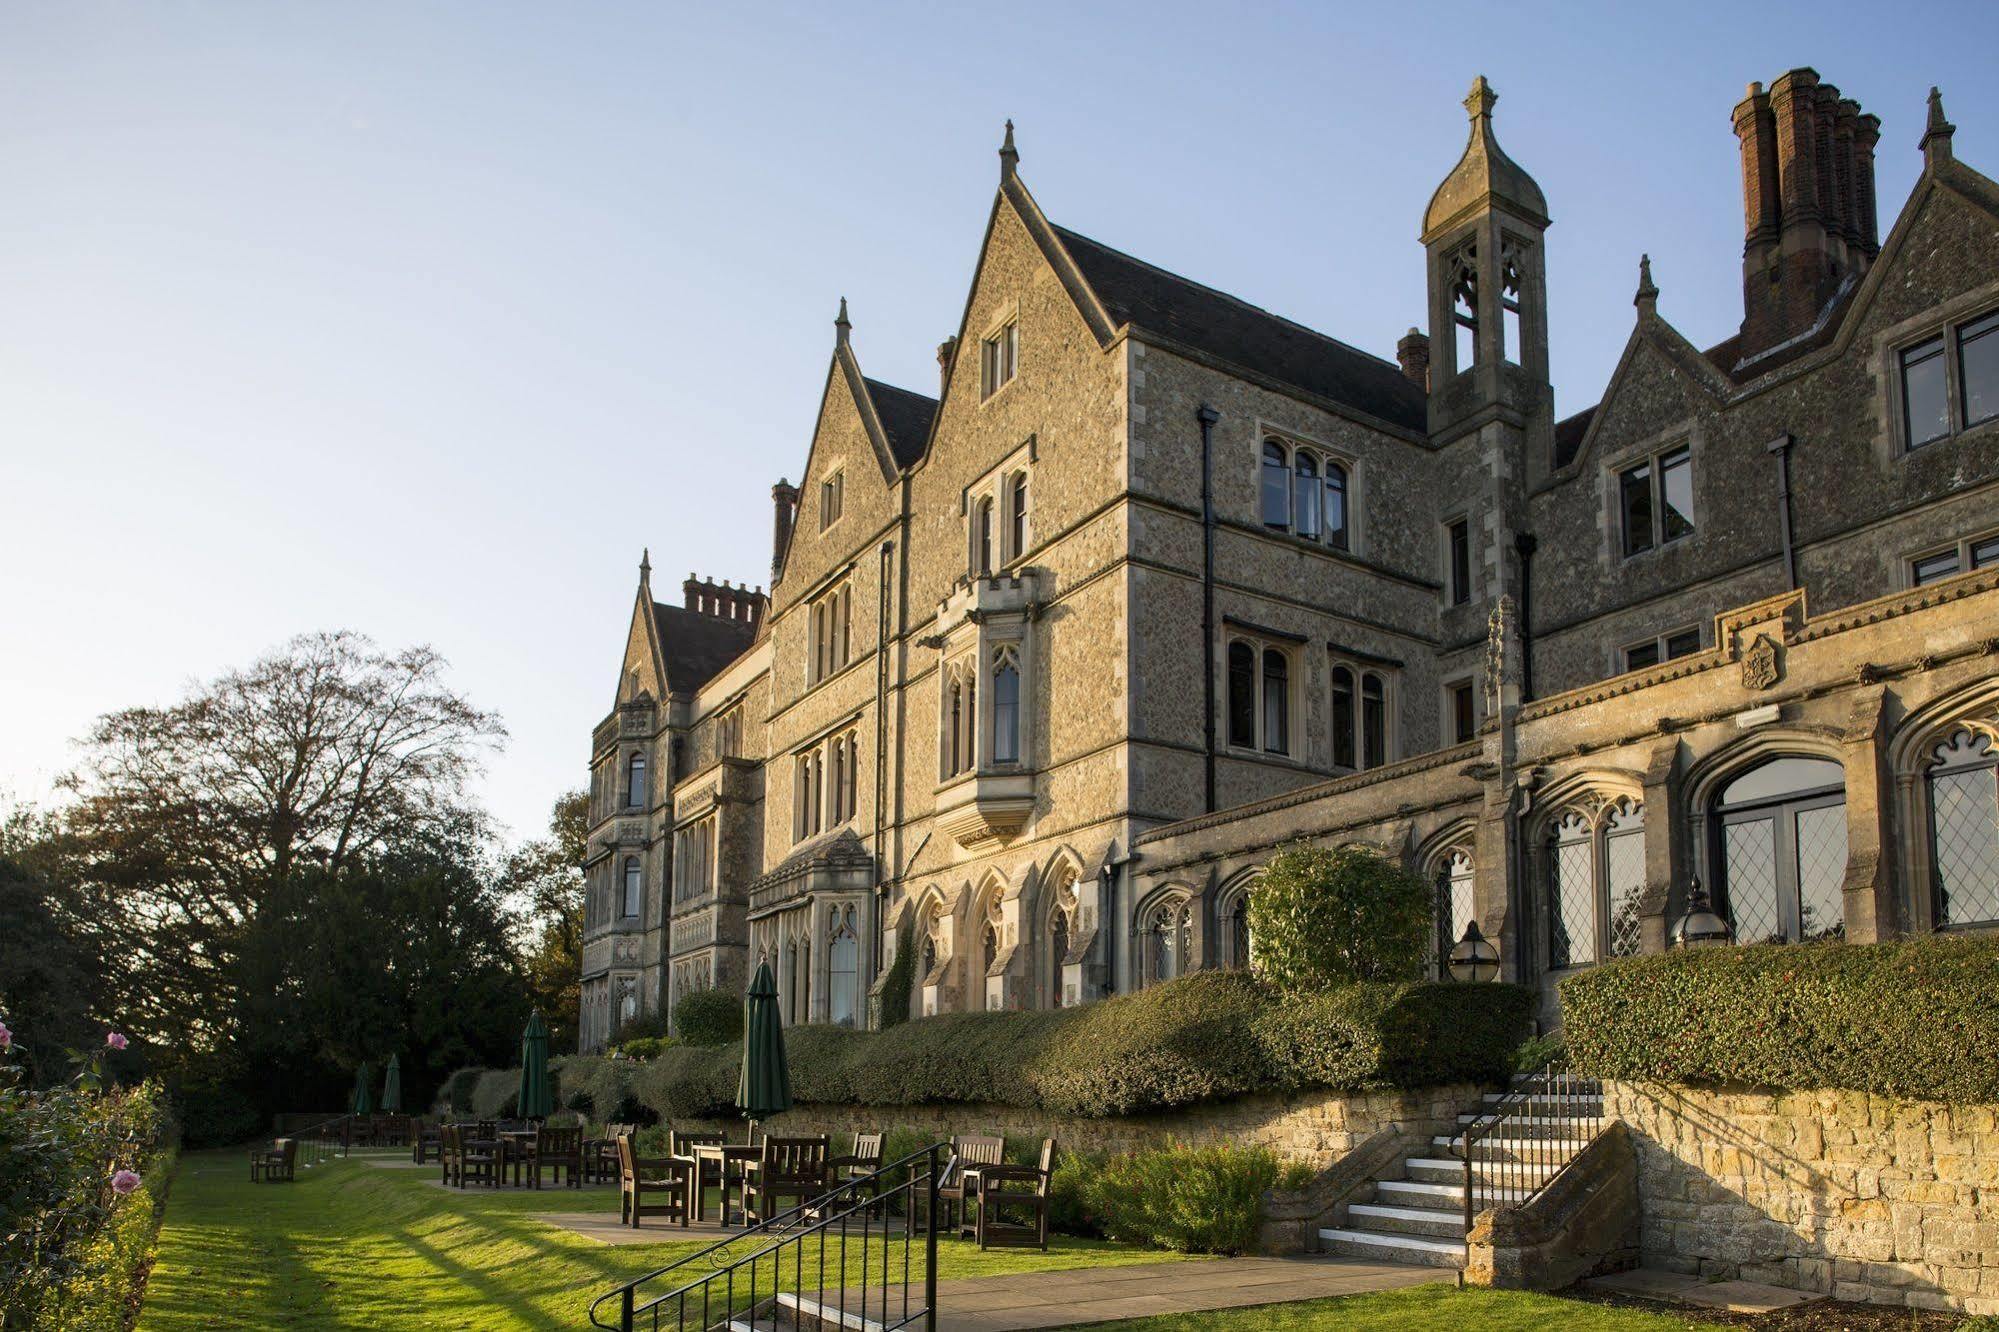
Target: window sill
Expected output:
[1659,549]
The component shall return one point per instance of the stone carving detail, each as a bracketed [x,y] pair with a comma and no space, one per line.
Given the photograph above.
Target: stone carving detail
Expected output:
[1761,667]
[1502,652]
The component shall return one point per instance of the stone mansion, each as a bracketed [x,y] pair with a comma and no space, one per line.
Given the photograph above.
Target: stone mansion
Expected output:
[1157,583]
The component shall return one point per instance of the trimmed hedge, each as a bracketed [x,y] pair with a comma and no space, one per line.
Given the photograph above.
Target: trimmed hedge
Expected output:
[708,1017]
[1207,1037]
[1916,1019]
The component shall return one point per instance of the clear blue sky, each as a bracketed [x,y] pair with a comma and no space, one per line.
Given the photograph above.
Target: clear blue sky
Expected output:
[421,319]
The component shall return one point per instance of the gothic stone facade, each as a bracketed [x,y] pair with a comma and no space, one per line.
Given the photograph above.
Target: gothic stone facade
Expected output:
[1159,583]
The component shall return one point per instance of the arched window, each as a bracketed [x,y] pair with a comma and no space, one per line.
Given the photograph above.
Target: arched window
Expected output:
[985,536]
[1596,884]
[1276,702]
[1058,953]
[1963,786]
[1017,513]
[635,885]
[1006,707]
[793,965]
[1343,718]
[1276,486]
[839,748]
[1373,720]
[1305,496]
[1336,505]
[1169,940]
[843,970]
[1456,902]
[635,781]
[1781,830]
[1232,920]
[1242,695]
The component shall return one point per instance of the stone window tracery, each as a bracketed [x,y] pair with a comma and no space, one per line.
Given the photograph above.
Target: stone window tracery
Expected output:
[1168,934]
[1596,881]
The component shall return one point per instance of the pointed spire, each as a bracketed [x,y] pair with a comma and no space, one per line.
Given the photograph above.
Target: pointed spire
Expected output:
[841,328]
[645,567]
[1936,133]
[1647,299]
[1009,155]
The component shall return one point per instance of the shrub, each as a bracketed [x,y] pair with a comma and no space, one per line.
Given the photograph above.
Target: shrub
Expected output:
[647,1047]
[455,1097]
[901,978]
[1321,917]
[709,1017]
[1171,1045]
[1916,1019]
[1072,1209]
[496,1094]
[1189,1199]
[1373,1037]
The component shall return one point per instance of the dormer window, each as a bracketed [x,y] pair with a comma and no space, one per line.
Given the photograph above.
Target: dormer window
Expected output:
[1967,354]
[999,357]
[1656,501]
[832,498]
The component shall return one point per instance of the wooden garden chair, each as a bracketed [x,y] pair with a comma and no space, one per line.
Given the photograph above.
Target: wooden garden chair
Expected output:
[787,1168]
[450,1149]
[600,1155]
[557,1150]
[275,1162]
[424,1141]
[860,1164]
[640,1176]
[481,1160]
[1021,1189]
[970,1153]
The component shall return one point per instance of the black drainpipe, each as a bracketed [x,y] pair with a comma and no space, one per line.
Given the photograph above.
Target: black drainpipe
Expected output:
[1207,416]
[1525,543]
[1781,447]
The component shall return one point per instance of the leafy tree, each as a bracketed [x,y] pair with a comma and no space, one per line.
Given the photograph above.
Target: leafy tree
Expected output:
[48,983]
[544,879]
[1323,917]
[189,818]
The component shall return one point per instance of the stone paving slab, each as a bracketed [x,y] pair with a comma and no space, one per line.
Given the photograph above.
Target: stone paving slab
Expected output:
[1743,1297]
[1087,1295]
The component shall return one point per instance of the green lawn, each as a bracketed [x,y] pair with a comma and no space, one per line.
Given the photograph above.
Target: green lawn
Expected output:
[1419,1309]
[354,1246]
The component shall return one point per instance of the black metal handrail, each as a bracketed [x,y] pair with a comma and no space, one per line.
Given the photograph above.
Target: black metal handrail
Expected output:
[1546,1133]
[735,1294]
[320,1139]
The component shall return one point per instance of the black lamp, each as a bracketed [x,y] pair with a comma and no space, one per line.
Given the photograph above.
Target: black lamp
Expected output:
[1702,926]
[1473,958]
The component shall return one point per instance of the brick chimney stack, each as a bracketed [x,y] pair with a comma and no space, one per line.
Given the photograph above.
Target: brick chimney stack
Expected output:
[723,600]
[1413,352]
[1807,202]
[784,504]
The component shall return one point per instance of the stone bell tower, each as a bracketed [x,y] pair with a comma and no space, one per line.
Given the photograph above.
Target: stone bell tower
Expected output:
[1492,415]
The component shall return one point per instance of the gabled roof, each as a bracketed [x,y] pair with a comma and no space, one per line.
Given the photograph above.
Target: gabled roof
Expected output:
[1135,292]
[695,647]
[905,419]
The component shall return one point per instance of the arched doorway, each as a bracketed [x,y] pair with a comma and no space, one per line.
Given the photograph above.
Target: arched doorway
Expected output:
[1780,850]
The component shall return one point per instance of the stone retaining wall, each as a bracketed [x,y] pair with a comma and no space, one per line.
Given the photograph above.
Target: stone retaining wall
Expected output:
[1316,1129]
[1861,1197]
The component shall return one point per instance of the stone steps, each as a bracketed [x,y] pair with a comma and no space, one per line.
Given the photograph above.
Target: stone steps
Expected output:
[1450,1170]
[1414,1250]
[1431,1221]
[1438,1197]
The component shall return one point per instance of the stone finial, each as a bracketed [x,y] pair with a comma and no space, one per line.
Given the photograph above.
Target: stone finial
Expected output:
[841,328]
[645,566]
[1647,299]
[1009,155]
[1936,133]
[1479,101]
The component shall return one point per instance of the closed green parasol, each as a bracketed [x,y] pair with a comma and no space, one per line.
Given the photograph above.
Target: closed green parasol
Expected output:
[765,1086]
[392,1087]
[537,1095]
[363,1101]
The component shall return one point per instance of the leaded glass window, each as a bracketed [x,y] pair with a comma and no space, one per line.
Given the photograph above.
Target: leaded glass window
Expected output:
[1963,785]
[1572,893]
[1624,876]
[1781,838]
[1456,903]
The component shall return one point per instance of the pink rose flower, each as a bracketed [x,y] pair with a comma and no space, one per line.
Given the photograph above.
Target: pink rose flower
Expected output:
[124,1182]
[6,1037]
[116,1040]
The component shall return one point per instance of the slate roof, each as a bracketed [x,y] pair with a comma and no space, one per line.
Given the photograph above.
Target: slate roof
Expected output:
[1233,330]
[698,646]
[905,418]
[1569,435]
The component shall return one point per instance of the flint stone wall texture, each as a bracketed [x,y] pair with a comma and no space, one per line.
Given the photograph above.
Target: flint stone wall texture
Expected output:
[1857,1196]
